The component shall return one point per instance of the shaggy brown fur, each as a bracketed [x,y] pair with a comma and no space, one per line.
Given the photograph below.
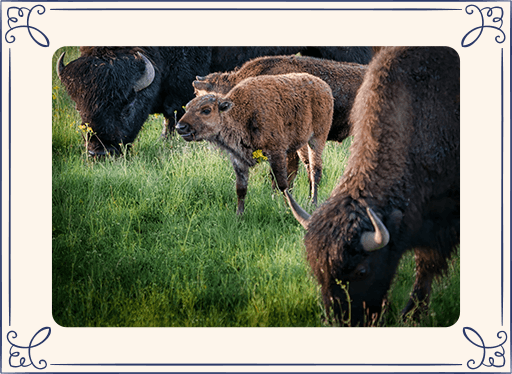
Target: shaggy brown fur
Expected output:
[276,114]
[344,79]
[405,166]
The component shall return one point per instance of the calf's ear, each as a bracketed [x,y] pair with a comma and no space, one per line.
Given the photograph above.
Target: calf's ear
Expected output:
[225,105]
[200,85]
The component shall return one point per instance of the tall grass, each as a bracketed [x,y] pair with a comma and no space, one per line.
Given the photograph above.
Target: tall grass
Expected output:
[151,238]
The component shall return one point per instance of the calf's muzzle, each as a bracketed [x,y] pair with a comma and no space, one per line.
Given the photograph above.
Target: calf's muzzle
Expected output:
[185,131]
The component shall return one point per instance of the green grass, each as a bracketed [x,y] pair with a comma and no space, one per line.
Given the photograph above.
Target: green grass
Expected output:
[152,239]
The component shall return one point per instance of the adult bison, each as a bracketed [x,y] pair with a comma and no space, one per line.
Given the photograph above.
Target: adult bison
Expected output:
[227,58]
[400,189]
[116,88]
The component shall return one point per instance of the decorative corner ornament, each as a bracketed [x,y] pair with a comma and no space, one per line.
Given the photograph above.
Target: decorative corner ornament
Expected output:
[12,20]
[497,353]
[494,25]
[14,352]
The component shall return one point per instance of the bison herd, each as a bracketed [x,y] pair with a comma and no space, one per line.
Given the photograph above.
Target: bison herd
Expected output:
[400,190]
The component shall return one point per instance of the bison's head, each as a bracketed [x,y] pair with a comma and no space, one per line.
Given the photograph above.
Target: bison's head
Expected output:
[203,117]
[113,95]
[350,251]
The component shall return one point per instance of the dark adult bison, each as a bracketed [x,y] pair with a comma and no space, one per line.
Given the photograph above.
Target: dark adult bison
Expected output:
[227,58]
[400,189]
[116,88]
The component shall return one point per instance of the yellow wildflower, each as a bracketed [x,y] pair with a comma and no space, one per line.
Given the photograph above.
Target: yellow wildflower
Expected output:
[259,156]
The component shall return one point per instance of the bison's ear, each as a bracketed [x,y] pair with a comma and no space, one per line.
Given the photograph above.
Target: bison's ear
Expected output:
[202,86]
[225,105]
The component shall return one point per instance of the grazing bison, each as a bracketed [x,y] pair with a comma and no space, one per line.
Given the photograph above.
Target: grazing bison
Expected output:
[400,189]
[276,115]
[343,78]
[116,88]
[227,58]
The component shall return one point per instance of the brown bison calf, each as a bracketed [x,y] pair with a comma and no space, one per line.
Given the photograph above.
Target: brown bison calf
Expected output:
[344,79]
[275,114]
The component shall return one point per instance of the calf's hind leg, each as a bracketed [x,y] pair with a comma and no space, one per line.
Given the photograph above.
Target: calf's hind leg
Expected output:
[315,149]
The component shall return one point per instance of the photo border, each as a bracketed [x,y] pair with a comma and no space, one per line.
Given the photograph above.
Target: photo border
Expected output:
[20,349]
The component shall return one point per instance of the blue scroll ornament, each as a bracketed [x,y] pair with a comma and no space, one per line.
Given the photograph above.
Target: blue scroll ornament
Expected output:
[14,352]
[501,355]
[480,29]
[12,20]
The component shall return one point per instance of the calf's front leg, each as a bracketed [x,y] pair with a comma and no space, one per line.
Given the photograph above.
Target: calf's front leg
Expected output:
[277,162]
[242,179]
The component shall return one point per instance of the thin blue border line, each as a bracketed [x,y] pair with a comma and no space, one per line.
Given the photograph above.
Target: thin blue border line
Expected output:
[255,9]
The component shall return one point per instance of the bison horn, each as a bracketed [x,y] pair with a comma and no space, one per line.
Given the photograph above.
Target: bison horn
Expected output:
[60,65]
[199,78]
[372,241]
[147,78]
[300,214]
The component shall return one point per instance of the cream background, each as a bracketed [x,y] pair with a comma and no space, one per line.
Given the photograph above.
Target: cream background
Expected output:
[31,187]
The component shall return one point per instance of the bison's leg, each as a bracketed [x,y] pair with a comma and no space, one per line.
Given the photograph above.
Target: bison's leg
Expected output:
[315,149]
[292,162]
[304,157]
[168,127]
[427,264]
[277,162]
[242,179]
[291,167]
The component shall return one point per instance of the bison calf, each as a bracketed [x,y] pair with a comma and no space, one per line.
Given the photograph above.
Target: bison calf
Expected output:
[275,114]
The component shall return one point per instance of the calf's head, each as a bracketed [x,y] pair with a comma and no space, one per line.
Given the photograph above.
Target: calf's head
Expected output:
[112,95]
[350,251]
[203,117]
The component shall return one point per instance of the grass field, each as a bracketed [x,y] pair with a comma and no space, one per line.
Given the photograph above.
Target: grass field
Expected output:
[152,239]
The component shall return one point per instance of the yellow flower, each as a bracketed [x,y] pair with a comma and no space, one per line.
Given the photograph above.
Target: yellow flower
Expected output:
[85,128]
[259,156]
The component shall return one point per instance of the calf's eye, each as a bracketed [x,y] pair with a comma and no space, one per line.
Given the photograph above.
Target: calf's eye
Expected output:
[206,111]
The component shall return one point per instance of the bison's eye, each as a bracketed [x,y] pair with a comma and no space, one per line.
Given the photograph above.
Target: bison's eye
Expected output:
[206,111]
[360,273]
[127,110]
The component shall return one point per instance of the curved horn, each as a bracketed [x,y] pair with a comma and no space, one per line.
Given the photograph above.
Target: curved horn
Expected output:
[199,78]
[60,65]
[300,214]
[372,241]
[147,78]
